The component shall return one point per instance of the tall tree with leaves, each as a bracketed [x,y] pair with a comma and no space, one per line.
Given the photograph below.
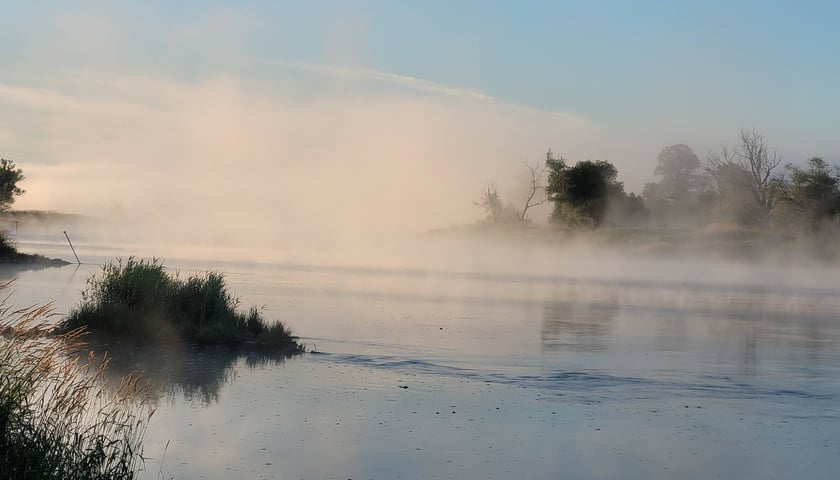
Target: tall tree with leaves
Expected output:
[678,166]
[10,175]
[582,193]
[678,196]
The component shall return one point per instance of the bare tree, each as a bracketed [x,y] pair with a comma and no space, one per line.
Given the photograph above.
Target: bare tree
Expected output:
[746,174]
[756,158]
[536,189]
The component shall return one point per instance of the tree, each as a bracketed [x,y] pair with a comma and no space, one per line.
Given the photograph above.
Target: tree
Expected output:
[581,194]
[10,175]
[536,190]
[556,167]
[492,204]
[749,167]
[732,185]
[813,193]
[678,196]
[497,212]
[627,209]
[678,166]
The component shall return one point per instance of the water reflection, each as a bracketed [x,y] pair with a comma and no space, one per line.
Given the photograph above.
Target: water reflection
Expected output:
[741,332]
[576,327]
[180,372]
[10,271]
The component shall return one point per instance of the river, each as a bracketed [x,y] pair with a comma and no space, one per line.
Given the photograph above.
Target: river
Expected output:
[436,373]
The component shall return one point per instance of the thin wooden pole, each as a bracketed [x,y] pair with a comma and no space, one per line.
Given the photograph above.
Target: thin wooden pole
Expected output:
[71,248]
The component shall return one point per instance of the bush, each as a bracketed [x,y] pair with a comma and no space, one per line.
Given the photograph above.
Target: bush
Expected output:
[138,299]
[57,418]
[7,248]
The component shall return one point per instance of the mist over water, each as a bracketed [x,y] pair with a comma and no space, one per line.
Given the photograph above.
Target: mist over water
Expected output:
[225,161]
[344,201]
[502,369]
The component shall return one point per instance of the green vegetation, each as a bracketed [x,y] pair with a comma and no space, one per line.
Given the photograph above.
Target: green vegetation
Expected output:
[7,249]
[589,194]
[10,255]
[58,419]
[10,175]
[736,202]
[137,299]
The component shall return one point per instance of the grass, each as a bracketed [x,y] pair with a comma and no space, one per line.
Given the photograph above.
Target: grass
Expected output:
[138,299]
[58,419]
[10,255]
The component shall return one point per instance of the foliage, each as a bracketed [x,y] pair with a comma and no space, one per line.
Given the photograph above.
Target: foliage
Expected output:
[57,418]
[627,209]
[732,189]
[10,176]
[556,167]
[9,255]
[814,193]
[138,299]
[582,194]
[496,211]
[678,198]
[7,248]
[678,167]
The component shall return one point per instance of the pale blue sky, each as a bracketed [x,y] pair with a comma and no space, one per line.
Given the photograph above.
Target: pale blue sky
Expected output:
[611,60]
[645,74]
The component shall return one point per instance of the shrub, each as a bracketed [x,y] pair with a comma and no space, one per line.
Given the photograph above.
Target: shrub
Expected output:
[138,299]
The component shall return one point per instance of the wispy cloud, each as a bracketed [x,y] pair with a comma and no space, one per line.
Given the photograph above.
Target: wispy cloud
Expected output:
[362,73]
[428,86]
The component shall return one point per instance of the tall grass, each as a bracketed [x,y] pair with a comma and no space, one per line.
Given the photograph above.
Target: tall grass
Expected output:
[138,299]
[58,419]
[7,247]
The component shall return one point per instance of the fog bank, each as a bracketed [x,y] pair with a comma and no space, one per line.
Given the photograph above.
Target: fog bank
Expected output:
[297,159]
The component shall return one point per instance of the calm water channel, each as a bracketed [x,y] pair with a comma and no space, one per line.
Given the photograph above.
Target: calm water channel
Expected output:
[436,373]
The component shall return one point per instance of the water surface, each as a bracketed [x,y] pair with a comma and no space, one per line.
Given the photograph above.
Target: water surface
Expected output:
[465,373]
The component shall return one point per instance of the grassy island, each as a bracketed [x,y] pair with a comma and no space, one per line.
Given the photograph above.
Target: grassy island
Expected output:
[138,300]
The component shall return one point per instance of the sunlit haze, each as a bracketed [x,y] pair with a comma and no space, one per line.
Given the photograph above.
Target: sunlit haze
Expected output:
[335,123]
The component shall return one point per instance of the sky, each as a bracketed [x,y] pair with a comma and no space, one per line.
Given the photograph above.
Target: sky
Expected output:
[360,114]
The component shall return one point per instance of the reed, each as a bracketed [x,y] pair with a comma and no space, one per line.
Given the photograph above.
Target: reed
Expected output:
[58,417]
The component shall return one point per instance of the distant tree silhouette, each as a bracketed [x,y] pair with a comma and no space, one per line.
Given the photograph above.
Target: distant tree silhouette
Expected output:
[750,168]
[680,196]
[679,167]
[10,175]
[814,193]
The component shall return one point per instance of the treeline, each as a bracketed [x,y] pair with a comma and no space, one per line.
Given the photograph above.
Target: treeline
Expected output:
[745,186]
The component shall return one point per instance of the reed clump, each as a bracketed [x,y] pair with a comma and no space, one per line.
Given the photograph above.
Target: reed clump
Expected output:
[58,418]
[138,299]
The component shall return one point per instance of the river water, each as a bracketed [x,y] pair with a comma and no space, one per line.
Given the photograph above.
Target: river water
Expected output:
[423,373]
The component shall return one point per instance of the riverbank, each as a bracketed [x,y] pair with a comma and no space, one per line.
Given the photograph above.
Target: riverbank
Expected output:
[9,255]
[714,242]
